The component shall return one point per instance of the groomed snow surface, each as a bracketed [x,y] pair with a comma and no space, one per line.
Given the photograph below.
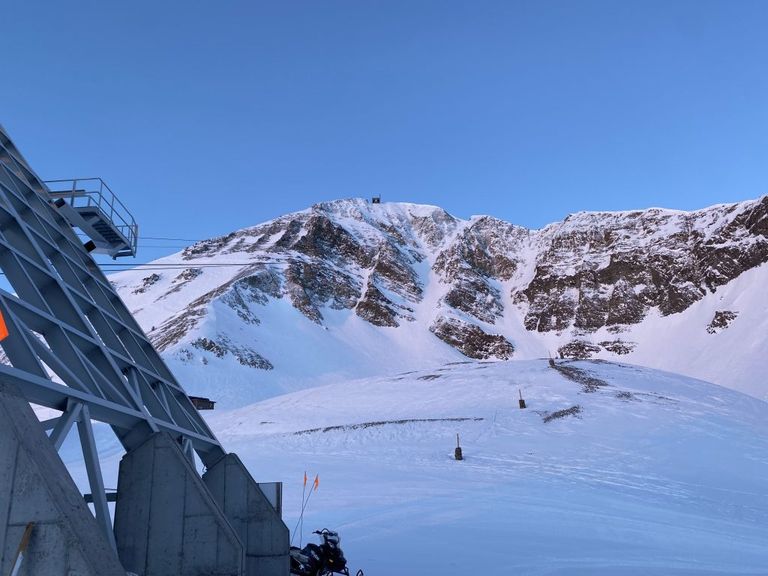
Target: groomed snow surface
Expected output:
[656,473]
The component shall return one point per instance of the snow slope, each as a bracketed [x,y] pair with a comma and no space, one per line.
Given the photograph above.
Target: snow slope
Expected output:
[657,474]
[736,357]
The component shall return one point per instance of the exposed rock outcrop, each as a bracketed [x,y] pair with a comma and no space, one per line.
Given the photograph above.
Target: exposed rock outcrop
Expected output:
[471,340]
[721,320]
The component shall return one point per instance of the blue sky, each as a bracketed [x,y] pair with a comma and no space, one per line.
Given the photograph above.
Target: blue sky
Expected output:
[209,116]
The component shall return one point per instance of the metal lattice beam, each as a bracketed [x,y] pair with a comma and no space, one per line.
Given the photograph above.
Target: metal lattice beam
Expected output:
[72,344]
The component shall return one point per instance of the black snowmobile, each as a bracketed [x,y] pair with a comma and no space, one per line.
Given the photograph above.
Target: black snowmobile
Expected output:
[325,559]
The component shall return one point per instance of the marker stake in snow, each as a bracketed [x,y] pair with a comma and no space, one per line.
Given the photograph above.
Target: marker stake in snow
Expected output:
[457,453]
[315,486]
[301,518]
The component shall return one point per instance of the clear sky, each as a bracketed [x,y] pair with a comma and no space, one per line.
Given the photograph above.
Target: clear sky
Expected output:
[210,116]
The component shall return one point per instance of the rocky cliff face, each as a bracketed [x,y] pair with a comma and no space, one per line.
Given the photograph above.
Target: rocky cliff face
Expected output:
[596,270]
[481,286]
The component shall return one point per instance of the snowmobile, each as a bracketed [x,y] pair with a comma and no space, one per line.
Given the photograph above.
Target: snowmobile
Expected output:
[325,559]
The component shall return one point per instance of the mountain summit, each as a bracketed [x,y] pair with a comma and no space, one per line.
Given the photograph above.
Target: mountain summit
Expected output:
[349,289]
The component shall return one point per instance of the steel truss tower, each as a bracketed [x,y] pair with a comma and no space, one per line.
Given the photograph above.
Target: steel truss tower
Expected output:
[73,346]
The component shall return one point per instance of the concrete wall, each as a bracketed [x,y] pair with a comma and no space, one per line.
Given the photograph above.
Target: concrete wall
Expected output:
[35,486]
[262,531]
[166,521]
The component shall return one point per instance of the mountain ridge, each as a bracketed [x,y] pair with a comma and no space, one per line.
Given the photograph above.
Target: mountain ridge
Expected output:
[436,288]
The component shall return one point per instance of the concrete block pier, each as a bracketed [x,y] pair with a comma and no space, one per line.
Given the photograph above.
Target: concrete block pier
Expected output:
[257,523]
[166,521]
[36,487]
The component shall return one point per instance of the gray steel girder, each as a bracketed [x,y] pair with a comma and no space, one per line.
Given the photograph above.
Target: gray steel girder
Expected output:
[72,344]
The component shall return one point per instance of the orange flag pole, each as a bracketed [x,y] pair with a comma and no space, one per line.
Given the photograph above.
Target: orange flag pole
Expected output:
[300,524]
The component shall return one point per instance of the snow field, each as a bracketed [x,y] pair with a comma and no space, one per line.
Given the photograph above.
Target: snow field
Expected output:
[668,478]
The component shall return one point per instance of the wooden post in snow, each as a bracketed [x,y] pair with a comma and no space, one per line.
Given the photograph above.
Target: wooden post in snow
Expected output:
[457,453]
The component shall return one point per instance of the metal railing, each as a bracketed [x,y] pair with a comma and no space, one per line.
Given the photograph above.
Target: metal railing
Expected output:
[87,192]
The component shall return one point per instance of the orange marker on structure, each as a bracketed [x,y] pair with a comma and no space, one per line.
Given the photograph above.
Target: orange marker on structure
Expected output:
[3,328]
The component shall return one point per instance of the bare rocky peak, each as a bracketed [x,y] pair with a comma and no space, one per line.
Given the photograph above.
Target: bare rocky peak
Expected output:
[378,261]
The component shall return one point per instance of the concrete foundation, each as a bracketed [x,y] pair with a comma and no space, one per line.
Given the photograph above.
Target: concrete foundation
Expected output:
[166,521]
[36,487]
[258,524]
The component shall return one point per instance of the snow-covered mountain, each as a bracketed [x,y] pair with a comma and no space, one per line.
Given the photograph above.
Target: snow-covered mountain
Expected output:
[351,289]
